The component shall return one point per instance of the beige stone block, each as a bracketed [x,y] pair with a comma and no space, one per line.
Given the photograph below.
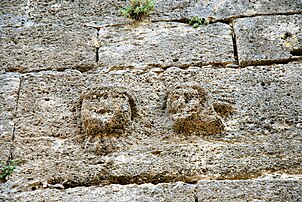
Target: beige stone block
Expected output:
[268,39]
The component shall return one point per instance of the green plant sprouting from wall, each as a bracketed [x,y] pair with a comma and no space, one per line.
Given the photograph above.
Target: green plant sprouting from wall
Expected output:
[6,168]
[138,9]
[197,21]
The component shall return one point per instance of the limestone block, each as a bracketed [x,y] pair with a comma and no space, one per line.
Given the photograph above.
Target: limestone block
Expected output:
[9,87]
[260,136]
[75,12]
[48,104]
[222,9]
[6,137]
[39,47]
[165,44]
[253,190]
[9,84]
[268,39]
[189,108]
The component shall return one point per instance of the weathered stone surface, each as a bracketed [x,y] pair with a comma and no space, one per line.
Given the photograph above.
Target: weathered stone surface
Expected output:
[268,39]
[46,106]
[247,190]
[80,131]
[9,87]
[222,9]
[107,110]
[261,135]
[165,44]
[45,46]
[188,107]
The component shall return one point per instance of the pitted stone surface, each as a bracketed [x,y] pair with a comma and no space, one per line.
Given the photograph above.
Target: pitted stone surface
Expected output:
[165,44]
[42,47]
[8,103]
[261,135]
[75,142]
[190,111]
[107,111]
[47,109]
[248,190]
[268,39]
[222,9]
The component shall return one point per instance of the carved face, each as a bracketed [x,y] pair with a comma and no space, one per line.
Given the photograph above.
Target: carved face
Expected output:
[191,112]
[185,101]
[105,112]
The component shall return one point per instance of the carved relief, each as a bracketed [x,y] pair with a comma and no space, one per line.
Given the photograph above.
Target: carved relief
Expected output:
[107,111]
[189,109]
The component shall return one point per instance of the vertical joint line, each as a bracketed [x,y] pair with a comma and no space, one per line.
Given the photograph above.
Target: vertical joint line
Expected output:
[234,42]
[97,48]
[97,54]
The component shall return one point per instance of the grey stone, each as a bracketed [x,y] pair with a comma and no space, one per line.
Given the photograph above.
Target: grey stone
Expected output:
[9,88]
[190,111]
[248,190]
[222,9]
[165,44]
[268,39]
[260,108]
[43,47]
[112,130]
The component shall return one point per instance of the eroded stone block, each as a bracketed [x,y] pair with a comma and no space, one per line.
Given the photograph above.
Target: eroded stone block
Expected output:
[267,39]
[47,104]
[107,111]
[42,46]
[166,44]
[261,136]
[288,189]
[189,108]
[222,9]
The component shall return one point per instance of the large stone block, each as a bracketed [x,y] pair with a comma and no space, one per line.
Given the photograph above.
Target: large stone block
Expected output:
[165,44]
[47,104]
[268,39]
[248,190]
[222,9]
[261,133]
[41,46]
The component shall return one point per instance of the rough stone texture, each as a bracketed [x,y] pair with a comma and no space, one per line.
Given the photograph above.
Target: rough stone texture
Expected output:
[268,39]
[29,43]
[223,9]
[8,102]
[247,190]
[190,111]
[166,44]
[261,136]
[107,111]
[87,131]
[42,47]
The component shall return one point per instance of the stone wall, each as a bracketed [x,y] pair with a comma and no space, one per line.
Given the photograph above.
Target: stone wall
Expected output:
[97,107]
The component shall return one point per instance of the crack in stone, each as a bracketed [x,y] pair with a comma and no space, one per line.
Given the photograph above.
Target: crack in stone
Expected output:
[234,39]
